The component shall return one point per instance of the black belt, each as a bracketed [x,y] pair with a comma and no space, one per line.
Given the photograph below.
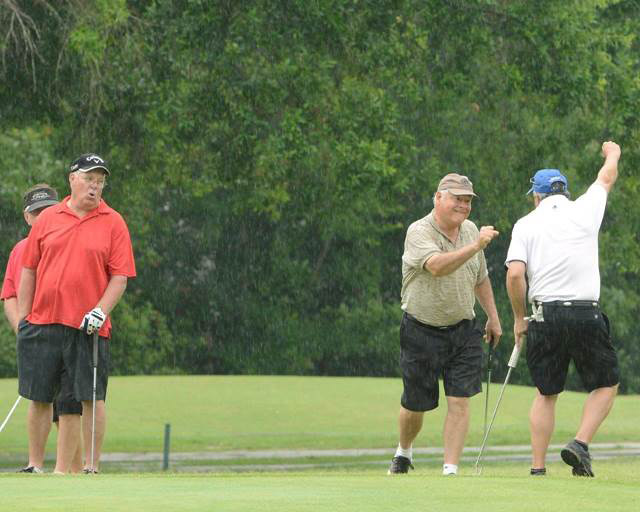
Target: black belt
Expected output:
[437,327]
[570,303]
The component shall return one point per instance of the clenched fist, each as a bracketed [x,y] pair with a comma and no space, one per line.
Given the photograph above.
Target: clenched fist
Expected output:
[487,233]
[610,149]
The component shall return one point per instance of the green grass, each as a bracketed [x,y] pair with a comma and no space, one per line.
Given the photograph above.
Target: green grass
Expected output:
[217,413]
[502,488]
[257,412]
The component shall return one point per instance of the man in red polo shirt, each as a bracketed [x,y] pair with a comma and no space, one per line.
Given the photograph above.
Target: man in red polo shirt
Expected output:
[76,263]
[36,199]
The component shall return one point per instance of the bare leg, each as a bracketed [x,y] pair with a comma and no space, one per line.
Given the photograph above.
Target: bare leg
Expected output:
[76,462]
[541,422]
[68,439]
[38,426]
[409,424]
[101,421]
[596,409]
[456,425]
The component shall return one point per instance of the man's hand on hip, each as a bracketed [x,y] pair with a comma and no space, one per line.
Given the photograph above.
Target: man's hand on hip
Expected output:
[93,320]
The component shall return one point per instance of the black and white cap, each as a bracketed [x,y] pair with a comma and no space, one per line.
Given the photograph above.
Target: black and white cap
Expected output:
[40,198]
[89,162]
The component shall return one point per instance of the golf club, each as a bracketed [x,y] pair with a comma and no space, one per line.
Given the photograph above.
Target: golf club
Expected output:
[10,413]
[513,361]
[486,397]
[94,362]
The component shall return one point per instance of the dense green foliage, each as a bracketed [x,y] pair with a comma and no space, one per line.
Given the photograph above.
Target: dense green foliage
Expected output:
[268,157]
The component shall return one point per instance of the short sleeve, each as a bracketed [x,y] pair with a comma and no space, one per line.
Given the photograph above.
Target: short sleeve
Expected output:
[121,261]
[418,247]
[591,206]
[9,286]
[518,246]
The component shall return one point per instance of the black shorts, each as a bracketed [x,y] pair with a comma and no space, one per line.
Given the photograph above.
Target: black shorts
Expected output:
[571,333]
[57,360]
[427,353]
[65,405]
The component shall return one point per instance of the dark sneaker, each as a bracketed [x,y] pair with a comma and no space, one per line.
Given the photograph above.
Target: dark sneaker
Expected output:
[538,471]
[399,464]
[578,458]
[30,469]
[89,471]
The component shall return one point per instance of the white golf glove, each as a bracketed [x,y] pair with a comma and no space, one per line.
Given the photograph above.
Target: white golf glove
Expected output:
[93,320]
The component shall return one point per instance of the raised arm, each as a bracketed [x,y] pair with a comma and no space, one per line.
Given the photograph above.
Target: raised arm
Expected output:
[445,263]
[608,173]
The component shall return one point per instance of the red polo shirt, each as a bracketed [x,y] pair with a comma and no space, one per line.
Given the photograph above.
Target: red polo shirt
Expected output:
[12,274]
[74,259]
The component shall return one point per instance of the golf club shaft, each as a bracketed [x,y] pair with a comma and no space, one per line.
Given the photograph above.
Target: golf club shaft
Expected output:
[513,361]
[10,413]
[93,412]
[486,397]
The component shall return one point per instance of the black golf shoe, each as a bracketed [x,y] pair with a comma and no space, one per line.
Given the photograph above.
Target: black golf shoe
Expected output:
[399,464]
[30,469]
[578,458]
[538,471]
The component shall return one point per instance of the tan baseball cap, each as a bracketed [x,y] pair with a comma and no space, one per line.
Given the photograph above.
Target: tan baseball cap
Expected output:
[456,184]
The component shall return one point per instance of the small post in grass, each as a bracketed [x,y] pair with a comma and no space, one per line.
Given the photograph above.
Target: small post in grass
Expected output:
[167,436]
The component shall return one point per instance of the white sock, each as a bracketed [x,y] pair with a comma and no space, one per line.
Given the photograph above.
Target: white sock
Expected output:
[449,469]
[401,452]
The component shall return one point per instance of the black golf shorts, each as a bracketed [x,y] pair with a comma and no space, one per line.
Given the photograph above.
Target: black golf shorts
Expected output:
[55,360]
[65,405]
[571,333]
[428,353]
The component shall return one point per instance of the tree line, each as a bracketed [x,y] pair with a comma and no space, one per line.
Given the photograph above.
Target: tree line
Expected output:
[268,157]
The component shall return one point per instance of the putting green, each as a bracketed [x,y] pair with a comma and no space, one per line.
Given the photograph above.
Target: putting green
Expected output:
[501,488]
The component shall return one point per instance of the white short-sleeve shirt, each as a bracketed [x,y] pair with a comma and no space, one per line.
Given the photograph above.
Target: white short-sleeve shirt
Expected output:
[558,242]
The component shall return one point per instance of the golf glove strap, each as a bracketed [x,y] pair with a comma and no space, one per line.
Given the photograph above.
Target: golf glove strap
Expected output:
[93,320]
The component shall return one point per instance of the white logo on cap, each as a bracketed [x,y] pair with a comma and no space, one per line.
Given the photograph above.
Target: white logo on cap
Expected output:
[96,159]
[39,195]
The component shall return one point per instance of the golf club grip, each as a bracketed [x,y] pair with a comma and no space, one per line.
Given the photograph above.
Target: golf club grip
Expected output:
[513,360]
[95,349]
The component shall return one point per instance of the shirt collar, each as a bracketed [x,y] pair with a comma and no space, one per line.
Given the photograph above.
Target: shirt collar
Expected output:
[431,219]
[551,201]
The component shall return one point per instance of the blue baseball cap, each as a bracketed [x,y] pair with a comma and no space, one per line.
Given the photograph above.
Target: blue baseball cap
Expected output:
[544,178]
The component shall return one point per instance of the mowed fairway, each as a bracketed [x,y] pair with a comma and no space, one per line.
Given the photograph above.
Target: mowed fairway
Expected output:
[615,489]
[215,414]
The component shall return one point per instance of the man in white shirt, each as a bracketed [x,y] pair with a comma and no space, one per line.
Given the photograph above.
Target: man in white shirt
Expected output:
[556,248]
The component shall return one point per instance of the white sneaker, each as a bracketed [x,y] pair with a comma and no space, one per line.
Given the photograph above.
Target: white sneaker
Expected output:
[449,469]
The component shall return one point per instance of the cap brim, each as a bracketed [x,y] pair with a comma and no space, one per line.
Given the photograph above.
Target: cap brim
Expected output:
[40,204]
[87,169]
[460,192]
